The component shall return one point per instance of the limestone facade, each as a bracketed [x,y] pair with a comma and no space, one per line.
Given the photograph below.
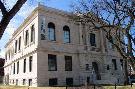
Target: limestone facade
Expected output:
[42,53]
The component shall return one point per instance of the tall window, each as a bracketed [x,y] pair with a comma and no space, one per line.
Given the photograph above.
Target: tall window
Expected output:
[53,82]
[52,62]
[14,69]
[30,82]
[30,63]
[17,67]
[66,34]
[95,70]
[114,64]
[32,33]
[16,81]
[88,80]
[19,47]
[15,46]
[121,62]
[24,81]
[68,63]
[92,39]
[26,37]
[24,66]
[51,31]
[87,67]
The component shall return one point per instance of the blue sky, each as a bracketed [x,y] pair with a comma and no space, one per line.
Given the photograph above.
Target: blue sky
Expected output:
[25,11]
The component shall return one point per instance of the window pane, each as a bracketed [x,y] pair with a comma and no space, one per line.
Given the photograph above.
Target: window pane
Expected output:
[24,81]
[16,81]
[32,33]
[52,64]
[92,39]
[15,46]
[51,34]
[30,82]
[68,63]
[14,69]
[17,67]
[66,34]
[69,81]
[87,67]
[53,82]
[96,70]
[24,66]
[26,37]
[30,64]
[121,61]
[19,47]
[51,31]
[114,64]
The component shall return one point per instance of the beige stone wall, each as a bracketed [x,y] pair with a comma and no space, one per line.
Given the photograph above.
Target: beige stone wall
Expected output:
[79,48]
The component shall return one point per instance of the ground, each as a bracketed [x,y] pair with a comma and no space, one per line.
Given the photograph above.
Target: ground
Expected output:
[90,87]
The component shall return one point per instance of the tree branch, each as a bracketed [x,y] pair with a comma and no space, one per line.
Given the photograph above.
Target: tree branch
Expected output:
[9,15]
[3,9]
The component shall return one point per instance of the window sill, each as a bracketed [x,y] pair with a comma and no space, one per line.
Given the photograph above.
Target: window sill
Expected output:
[68,70]
[67,43]
[52,70]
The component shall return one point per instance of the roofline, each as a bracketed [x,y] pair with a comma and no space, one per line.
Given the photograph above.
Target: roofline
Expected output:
[39,7]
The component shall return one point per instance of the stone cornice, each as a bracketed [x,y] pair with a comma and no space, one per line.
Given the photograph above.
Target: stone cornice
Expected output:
[36,10]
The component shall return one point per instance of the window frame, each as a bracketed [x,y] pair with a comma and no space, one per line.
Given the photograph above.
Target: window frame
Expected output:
[114,62]
[26,37]
[68,63]
[19,45]
[52,62]
[87,67]
[53,82]
[51,32]
[15,46]
[14,68]
[24,66]
[30,82]
[69,83]
[32,33]
[17,67]
[66,34]
[30,63]
[92,39]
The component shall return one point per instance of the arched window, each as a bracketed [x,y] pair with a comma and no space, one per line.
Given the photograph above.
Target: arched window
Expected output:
[51,31]
[66,35]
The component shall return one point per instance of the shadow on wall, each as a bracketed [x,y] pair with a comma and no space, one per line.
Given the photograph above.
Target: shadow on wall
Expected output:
[2,61]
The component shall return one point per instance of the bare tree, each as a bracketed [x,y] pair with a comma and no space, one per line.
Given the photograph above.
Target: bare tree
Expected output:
[116,19]
[7,14]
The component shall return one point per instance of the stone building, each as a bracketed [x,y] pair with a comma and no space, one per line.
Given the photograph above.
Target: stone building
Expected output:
[50,49]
